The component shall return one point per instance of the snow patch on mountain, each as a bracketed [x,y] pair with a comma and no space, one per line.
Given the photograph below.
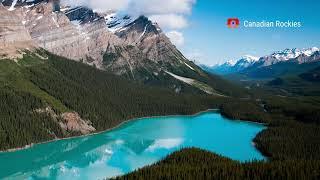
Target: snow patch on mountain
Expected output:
[232,66]
[299,55]
[311,51]
[250,58]
[230,63]
[144,31]
[189,66]
[183,79]
[117,22]
[14,2]
[200,85]
[245,62]
[288,54]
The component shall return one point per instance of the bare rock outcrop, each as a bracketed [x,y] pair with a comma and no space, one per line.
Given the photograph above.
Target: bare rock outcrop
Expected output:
[69,121]
[74,123]
[134,48]
[151,40]
[55,32]
[147,53]
[82,35]
[13,34]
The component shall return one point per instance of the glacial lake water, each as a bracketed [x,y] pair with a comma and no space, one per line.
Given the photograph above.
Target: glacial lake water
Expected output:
[132,145]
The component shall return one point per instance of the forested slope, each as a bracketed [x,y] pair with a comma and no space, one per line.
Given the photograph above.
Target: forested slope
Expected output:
[198,164]
[291,144]
[41,80]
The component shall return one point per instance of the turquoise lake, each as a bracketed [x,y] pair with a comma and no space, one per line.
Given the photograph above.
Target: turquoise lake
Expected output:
[133,145]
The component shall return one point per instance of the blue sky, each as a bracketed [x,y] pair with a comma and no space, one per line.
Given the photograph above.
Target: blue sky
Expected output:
[208,40]
[198,27]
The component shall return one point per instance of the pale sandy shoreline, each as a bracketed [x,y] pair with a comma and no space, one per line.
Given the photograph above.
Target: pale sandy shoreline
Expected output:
[104,131]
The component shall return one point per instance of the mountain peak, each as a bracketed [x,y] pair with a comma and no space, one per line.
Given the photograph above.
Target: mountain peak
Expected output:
[288,54]
[143,24]
[230,63]
[142,18]
[310,51]
[82,14]
[117,22]
[250,58]
[295,54]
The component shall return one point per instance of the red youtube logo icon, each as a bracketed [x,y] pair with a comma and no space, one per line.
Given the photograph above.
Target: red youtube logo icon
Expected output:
[233,23]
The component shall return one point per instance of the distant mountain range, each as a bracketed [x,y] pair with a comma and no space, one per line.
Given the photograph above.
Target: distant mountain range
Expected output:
[277,63]
[232,66]
[129,46]
[67,71]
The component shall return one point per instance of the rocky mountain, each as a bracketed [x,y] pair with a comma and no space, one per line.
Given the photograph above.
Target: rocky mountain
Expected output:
[245,62]
[81,14]
[117,21]
[13,34]
[13,4]
[271,65]
[224,68]
[133,47]
[150,47]
[72,34]
[300,56]
[233,67]
[286,62]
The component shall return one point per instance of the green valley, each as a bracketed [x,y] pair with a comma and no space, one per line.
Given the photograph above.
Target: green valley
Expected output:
[158,90]
[104,99]
[42,80]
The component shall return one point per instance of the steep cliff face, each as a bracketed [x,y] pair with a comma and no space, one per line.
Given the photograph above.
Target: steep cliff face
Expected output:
[151,40]
[13,34]
[54,31]
[17,3]
[81,14]
[81,34]
[134,48]
[149,55]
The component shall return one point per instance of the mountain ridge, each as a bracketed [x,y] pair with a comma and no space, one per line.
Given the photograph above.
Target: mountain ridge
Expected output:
[287,56]
[138,51]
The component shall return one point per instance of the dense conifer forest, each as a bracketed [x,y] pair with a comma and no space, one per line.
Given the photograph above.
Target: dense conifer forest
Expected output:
[19,124]
[103,98]
[291,142]
[194,163]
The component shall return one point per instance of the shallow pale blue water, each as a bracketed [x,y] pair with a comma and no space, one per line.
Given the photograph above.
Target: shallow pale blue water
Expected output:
[131,146]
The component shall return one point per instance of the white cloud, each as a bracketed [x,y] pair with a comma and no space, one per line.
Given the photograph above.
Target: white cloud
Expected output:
[145,7]
[176,38]
[169,14]
[99,5]
[170,21]
[148,7]
[165,144]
